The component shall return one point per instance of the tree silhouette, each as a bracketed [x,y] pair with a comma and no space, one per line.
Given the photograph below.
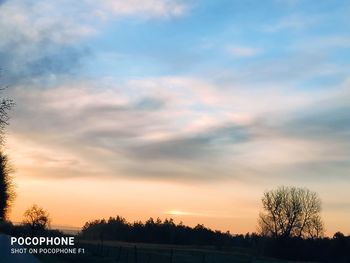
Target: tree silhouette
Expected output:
[36,218]
[6,187]
[7,193]
[153,231]
[291,212]
[5,106]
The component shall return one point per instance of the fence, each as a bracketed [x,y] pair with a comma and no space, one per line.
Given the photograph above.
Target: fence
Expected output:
[139,254]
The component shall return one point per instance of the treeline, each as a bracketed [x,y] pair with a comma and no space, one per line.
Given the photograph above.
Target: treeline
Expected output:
[153,231]
[335,249]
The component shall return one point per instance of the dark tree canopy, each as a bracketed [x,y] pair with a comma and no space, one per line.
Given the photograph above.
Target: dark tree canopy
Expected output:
[7,193]
[291,212]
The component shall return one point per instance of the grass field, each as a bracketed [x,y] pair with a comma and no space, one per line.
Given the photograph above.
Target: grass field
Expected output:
[122,252]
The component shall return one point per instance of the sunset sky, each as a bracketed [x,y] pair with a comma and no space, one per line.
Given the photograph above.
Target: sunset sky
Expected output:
[169,108]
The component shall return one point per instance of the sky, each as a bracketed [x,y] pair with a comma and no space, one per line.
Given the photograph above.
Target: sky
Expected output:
[169,108]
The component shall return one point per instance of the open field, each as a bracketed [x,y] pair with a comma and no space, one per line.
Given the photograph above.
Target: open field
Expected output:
[122,252]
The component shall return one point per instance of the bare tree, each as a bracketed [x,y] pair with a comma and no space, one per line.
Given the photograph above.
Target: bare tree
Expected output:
[291,212]
[7,193]
[6,105]
[37,218]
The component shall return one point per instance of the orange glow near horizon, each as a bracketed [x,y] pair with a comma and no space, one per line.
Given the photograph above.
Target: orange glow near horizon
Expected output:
[130,199]
[75,201]
[225,205]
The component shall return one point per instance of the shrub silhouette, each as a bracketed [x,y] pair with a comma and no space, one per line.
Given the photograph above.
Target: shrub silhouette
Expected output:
[36,218]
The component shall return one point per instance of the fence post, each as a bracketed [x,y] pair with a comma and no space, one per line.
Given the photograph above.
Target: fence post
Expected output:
[203,258]
[171,255]
[102,245]
[119,254]
[127,255]
[135,254]
[149,258]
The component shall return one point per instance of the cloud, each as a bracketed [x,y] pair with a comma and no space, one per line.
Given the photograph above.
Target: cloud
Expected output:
[325,118]
[117,130]
[328,43]
[328,123]
[149,104]
[146,8]
[46,38]
[289,71]
[288,2]
[175,128]
[242,51]
[208,144]
[295,22]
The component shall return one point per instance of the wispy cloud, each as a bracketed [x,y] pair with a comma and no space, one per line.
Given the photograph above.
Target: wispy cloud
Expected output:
[242,51]
[328,42]
[156,134]
[213,214]
[295,22]
[146,8]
